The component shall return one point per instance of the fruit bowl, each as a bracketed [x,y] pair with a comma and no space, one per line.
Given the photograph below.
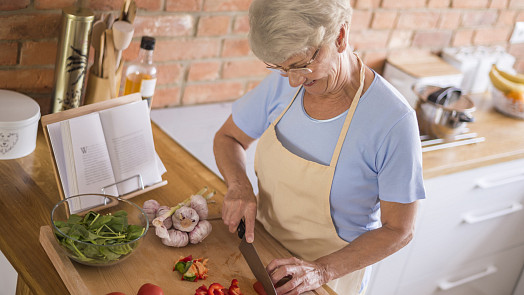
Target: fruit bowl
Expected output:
[507,104]
[105,234]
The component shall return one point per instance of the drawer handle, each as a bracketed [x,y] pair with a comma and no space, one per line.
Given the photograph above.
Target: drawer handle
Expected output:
[446,285]
[472,219]
[486,183]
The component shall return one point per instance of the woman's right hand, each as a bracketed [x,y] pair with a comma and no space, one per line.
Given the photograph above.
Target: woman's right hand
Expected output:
[240,202]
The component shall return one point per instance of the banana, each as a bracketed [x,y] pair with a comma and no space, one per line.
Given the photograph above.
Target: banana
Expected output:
[502,83]
[516,78]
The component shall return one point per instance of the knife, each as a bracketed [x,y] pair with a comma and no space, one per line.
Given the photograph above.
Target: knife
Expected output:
[250,254]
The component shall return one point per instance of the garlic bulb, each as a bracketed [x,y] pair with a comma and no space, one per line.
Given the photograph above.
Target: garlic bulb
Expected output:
[185,219]
[199,204]
[150,207]
[168,223]
[200,232]
[176,238]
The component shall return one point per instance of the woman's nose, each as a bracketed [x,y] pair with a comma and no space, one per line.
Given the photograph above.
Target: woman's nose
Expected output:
[296,79]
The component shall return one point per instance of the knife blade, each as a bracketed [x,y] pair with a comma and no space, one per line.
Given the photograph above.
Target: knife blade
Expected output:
[250,254]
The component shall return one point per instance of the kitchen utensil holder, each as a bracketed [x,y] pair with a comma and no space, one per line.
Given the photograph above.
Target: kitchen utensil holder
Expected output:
[98,88]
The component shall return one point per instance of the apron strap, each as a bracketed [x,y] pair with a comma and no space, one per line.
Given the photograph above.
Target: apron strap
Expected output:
[349,115]
[289,105]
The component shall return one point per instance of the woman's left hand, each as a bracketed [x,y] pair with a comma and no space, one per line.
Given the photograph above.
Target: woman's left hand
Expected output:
[304,275]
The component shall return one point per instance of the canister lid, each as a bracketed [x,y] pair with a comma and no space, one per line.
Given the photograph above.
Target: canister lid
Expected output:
[17,110]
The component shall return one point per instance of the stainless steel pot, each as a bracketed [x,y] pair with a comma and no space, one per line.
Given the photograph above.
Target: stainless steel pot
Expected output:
[443,112]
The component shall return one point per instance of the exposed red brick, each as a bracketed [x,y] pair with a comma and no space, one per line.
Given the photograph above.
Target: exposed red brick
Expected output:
[369,39]
[418,20]
[506,18]
[236,47]
[491,36]
[400,39]
[408,53]
[463,38]
[360,19]
[516,3]
[449,20]
[169,73]
[183,5]
[519,66]
[204,71]
[520,16]
[375,60]
[244,68]
[479,18]
[212,92]
[403,4]
[384,19]
[13,5]
[105,4]
[469,3]
[432,39]
[150,5]
[214,25]
[517,50]
[166,97]
[53,4]
[438,3]
[186,49]
[38,53]
[9,53]
[164,25]
[29,26]
[366,4]
[241,25]
[27,80]
[226,5]
[498,4]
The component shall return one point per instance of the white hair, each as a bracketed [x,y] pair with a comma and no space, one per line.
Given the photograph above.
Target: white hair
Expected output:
[282,28]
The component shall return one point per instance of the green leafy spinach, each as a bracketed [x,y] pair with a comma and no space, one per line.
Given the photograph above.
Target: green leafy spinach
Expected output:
[111,230]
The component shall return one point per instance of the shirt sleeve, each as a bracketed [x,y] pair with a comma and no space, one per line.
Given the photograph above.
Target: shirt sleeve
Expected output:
[399,163]
[254,112]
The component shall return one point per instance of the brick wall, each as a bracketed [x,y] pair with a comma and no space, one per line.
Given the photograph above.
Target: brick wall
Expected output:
[202,52]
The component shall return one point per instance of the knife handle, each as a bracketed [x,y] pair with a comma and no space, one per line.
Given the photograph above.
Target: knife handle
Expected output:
[241,229]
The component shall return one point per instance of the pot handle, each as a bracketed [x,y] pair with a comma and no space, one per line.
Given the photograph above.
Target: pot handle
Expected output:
[463,117]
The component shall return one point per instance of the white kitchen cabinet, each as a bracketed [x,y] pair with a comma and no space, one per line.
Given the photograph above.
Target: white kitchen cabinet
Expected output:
[469,234]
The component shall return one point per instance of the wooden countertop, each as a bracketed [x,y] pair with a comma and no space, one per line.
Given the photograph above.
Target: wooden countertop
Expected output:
[28,192]
[504,142]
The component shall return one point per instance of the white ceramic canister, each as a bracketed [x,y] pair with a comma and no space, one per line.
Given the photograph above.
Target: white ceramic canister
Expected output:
[19,116]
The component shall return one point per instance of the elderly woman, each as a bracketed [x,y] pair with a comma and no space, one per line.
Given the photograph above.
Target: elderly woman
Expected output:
[338,159]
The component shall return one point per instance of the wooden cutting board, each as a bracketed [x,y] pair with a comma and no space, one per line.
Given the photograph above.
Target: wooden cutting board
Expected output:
[153,263]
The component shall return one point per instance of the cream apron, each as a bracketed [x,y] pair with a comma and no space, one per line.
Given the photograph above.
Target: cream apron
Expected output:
[293,199]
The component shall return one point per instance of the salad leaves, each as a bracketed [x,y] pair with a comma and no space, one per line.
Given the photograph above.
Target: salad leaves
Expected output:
[112,231]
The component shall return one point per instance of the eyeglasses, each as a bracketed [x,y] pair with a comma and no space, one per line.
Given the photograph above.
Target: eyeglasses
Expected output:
[301,70]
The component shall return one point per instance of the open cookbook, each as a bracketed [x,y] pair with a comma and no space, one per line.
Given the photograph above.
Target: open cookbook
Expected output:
[107,150]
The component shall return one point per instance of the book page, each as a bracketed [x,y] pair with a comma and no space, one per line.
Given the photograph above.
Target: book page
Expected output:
[90,156]
[129,139]
[55,136]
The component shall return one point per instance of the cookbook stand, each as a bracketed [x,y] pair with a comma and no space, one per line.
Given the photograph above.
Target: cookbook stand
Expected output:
[84,110]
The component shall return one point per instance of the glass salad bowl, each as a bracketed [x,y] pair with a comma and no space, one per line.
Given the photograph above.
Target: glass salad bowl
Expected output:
[98,230]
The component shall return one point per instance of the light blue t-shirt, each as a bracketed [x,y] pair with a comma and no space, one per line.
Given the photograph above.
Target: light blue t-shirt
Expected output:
[380,159]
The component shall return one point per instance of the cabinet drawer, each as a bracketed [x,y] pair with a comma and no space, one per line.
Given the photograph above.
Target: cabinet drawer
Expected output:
[496,274]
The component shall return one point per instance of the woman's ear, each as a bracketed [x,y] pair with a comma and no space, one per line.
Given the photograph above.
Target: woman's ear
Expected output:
[342,39]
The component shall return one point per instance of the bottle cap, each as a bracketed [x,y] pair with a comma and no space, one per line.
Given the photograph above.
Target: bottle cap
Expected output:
[147,43]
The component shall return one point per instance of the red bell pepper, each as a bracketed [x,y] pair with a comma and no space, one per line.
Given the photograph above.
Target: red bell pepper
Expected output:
[234,289]
[215,289]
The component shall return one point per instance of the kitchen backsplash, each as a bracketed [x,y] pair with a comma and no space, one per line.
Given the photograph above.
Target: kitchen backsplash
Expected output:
[202,51]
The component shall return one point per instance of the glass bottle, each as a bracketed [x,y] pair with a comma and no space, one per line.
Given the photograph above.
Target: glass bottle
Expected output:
[141,74]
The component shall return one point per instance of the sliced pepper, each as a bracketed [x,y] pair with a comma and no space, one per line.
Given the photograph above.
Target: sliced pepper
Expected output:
[215,289]
[234,289]
[202,290]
